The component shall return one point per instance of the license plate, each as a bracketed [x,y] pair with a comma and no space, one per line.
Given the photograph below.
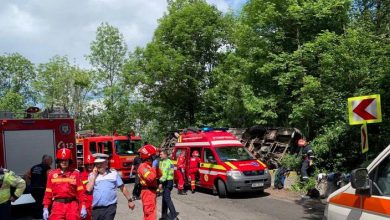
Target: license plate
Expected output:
[257,185]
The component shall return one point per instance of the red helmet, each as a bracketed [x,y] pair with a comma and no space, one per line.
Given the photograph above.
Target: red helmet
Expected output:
[301,142]
[90,159]
[147,151]
[195,153]
[64,154]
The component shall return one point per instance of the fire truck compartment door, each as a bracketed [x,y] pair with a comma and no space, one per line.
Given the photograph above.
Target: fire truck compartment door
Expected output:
[25,148]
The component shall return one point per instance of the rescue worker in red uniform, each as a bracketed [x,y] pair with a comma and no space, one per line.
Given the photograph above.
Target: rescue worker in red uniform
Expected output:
[193,169]
[64,191]
[88,168]
[181,164]
[148,180]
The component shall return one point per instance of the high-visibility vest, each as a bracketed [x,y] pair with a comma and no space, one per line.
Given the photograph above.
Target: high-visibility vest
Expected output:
[10,179]
[166,166]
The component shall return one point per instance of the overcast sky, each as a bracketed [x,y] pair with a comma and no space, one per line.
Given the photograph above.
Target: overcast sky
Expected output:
[41,29]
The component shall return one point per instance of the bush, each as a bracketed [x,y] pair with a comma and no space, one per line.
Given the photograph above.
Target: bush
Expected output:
[292,162]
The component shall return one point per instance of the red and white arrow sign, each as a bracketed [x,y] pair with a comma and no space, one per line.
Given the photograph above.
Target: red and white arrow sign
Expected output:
[364,109]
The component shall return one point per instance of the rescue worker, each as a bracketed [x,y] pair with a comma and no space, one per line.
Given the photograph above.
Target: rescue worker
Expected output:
[193,169]
[64,191]
[147,177]
[38,179]
[9,179]
[307,156]
[166,185]
[88,167]
[181,161]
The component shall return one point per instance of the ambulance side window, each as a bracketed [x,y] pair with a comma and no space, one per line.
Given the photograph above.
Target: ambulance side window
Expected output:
[208,156]
[92,147]
[381,178]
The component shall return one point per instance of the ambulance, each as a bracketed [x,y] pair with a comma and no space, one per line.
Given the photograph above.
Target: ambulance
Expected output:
[226,165]
[367,196]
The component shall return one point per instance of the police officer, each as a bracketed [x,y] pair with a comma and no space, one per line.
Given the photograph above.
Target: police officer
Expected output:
[193,169]
[38,175]
[8,179]
[166,184]
[147,177]
[64,191]
[103,183]
[307,156]
[88,167]
[181,173]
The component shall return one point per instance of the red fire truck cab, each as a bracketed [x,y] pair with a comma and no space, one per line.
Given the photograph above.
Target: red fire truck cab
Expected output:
[121,150]
[226,165]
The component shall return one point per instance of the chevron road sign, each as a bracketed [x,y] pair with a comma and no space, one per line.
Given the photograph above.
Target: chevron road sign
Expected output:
[364,109]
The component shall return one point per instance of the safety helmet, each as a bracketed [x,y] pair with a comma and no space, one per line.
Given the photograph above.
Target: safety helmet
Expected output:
[90,159]
[64,154]
[301,142]
[195,153]
[147,151]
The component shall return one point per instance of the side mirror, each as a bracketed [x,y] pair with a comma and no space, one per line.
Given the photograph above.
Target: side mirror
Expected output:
[359,179]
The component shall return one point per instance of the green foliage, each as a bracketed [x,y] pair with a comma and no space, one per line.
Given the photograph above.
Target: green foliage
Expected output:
[292,162]
[304,187]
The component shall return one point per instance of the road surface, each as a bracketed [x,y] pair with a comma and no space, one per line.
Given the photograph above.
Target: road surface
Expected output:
[205,206]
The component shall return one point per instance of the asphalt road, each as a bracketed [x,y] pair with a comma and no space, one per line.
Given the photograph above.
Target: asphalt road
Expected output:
[205,206]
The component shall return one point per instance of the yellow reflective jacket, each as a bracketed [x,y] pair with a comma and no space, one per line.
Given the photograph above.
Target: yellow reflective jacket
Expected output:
[8,179]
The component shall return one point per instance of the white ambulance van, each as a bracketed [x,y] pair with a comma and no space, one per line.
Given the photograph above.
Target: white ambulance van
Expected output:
[367,196]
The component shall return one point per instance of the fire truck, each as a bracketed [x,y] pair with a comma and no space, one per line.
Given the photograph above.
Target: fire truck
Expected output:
[24,141]
[120,148]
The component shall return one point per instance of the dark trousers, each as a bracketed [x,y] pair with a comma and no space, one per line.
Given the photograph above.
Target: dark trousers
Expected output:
[304,168]
[137,187]
[5,210]
[167,200]
[104,213]
[37,194]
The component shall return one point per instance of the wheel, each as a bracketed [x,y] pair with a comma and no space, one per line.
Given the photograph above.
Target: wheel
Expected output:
[222,192]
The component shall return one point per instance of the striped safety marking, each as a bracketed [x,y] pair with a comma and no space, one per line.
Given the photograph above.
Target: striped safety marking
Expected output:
[231,165]
[211,172]
[262,163]
[230,142]
[192,144]
[374,204]
[63,180]
[212,166]
[49,190]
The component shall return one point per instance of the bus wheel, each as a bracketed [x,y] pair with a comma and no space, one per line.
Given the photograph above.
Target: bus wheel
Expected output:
[222,189]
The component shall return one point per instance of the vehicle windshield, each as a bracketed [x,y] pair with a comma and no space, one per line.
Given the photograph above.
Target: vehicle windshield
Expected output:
[124,147]
[233,153]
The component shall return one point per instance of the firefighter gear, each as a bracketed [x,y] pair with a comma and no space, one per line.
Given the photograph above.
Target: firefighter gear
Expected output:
[8,179]
[64,154]
[64,191]
[87,196]
[147,177]
[181,173]
[193,170]
[147,151]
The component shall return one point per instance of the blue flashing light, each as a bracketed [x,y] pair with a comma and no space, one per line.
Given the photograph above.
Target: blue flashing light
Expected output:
[205,129]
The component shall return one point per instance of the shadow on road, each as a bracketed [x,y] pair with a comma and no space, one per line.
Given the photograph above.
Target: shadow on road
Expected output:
[241,195]
[313,207]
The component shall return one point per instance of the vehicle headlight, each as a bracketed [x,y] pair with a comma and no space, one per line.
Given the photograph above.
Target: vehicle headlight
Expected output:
[234,173]
[266,171]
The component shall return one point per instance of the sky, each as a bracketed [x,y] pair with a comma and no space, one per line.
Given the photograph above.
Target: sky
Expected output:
[41,29]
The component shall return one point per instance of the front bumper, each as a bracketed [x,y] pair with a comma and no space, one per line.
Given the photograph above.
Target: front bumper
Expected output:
[248,183]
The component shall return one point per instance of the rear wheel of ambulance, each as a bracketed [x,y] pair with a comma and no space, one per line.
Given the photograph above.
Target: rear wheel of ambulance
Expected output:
[222,192]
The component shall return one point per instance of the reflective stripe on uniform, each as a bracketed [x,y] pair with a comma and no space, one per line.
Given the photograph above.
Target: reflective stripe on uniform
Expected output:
[63,180]
[80,188]
[49,190]
[147,174]
[85,182]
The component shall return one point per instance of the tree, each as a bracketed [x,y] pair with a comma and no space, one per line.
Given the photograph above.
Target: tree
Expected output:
[16,73]
[108,53]
[174,69]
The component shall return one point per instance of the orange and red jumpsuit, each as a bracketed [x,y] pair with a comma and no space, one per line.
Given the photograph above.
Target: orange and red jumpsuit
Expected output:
[64,191]
[87,196]
[180,171]
[147,178]
[193,170]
